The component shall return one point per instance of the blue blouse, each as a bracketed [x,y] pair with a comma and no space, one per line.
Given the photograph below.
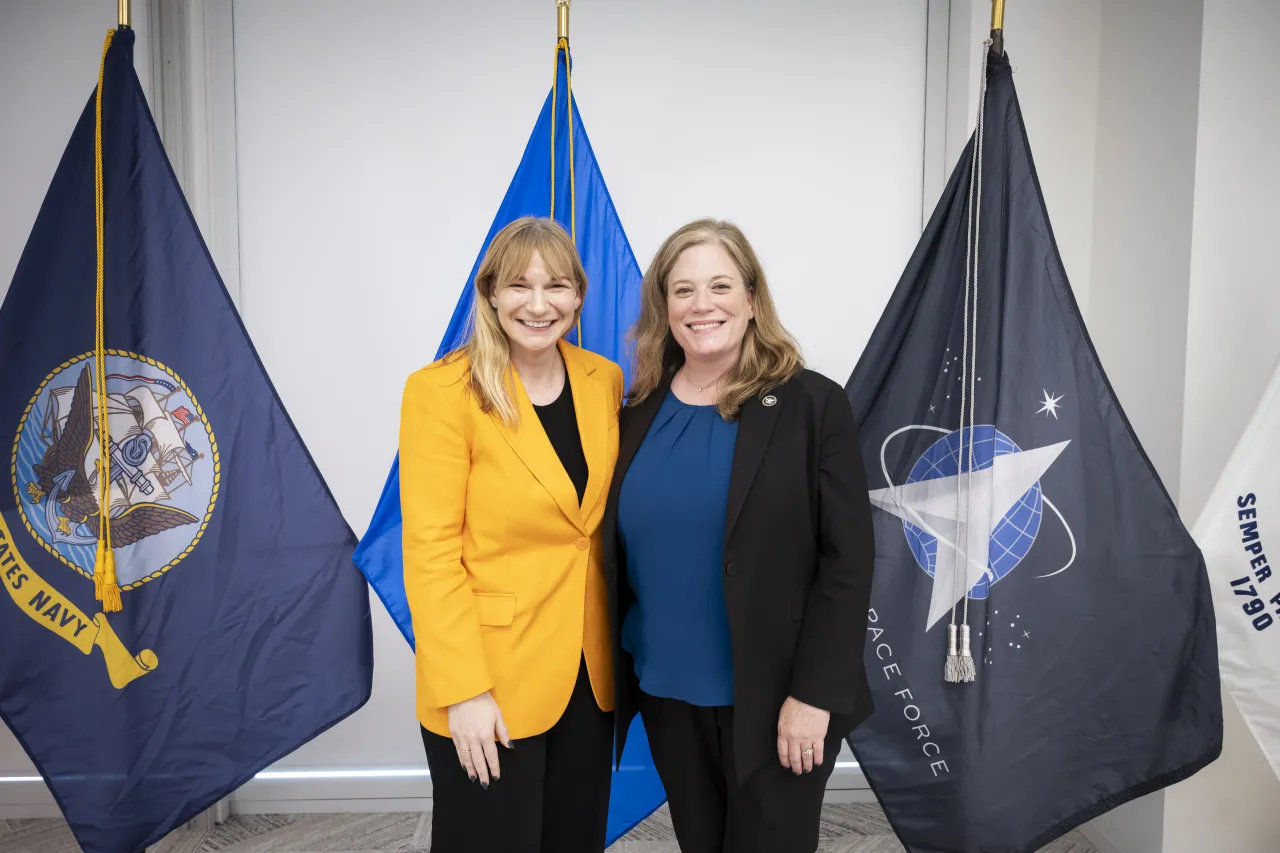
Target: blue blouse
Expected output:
[671,516]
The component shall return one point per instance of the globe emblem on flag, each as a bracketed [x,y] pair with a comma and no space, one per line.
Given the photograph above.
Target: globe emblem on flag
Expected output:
[1015,532]
[164,466]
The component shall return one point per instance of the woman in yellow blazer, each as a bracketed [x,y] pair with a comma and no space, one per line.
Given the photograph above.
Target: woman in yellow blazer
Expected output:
[507,450]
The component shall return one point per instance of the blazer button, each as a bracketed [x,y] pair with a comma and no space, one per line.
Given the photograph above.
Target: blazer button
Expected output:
[583,544]
[730,570]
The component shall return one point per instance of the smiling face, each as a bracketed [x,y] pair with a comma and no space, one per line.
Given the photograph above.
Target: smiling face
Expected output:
[708,305]
[536,309]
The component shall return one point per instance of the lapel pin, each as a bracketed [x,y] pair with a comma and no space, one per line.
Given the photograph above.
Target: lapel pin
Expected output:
[770,400]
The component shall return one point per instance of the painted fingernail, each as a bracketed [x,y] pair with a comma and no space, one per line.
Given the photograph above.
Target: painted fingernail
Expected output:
[484,785]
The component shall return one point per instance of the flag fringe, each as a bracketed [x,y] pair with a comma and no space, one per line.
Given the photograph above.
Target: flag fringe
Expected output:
[959,667]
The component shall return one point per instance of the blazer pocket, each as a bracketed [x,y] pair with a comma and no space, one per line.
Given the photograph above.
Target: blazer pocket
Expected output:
[495,609]
[799,602]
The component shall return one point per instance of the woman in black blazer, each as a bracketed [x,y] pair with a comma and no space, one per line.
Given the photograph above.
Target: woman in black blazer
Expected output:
[739,553]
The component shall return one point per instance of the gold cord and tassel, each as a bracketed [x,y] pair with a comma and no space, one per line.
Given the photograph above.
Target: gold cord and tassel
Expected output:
[563,44]
[106,585]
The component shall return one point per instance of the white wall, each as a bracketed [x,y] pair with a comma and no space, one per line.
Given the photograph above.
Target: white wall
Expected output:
[1232,343]
[1054,48]
[49,57]
[373,157]
[1144,192]
[1232,346]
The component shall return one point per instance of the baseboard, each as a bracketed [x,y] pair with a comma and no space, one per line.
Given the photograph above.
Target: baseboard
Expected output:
[847,779]
[302,796]
[423,804]
[343,806]
[360,795]
[849,795]
[26,799]
[1099,839]
[32,811]
[261,795]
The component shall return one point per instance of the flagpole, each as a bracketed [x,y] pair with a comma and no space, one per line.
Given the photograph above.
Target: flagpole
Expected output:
[997,26]
[562,19]
[125,12]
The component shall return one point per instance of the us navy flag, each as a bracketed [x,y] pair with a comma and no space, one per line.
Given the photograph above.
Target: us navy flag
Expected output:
[180,606]
[1015,503]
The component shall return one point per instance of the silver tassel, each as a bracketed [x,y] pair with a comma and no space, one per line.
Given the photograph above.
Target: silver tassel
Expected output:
[967,670]
[952,671]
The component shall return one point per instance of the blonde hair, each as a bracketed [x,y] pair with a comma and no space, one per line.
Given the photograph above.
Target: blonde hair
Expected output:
[769,355]
[487,347]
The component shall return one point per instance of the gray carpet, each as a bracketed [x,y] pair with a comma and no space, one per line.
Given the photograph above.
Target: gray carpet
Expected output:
[851,828]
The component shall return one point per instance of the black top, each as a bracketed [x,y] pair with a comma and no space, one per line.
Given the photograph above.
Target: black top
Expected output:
[560,421]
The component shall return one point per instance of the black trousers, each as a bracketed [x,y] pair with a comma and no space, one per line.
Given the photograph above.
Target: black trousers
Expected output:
[552,797]
[773,811]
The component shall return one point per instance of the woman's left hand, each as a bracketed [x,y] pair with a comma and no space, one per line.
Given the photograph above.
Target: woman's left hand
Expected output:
[802,729]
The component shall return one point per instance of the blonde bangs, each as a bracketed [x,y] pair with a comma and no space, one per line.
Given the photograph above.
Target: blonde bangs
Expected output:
[505,261]
[561,261]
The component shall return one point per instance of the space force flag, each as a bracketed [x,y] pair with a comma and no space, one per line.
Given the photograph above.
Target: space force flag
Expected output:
[180,608]
[1041,643]
[1237,530]
[558,176]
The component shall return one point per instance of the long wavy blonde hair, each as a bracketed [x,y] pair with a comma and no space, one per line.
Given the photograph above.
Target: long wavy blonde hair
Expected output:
[769,356]
[506,259]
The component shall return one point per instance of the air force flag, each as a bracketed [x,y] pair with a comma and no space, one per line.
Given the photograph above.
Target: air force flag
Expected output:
[580,201]
[1041,640]
[558,175]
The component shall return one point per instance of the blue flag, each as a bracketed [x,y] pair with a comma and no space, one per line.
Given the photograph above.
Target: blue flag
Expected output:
[582,204]
[1014,501]
[241,628]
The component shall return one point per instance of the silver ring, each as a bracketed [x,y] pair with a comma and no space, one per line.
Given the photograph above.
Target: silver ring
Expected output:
[807,752]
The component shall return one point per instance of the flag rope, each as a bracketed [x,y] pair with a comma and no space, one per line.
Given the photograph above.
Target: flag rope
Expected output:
[563,44]
[106,584]
[959,665]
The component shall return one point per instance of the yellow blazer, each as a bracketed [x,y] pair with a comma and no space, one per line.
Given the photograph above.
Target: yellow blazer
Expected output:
[503,570]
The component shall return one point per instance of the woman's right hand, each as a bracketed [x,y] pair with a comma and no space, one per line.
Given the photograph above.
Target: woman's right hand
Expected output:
[475,725]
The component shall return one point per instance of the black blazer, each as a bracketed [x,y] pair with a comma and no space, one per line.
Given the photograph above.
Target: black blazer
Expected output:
[798,555]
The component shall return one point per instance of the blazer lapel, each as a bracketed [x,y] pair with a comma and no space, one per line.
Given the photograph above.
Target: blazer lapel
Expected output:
[531,444]
[755,426]
[593,413]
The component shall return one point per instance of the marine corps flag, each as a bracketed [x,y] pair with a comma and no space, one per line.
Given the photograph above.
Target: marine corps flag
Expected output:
[1041,641]
[180,605]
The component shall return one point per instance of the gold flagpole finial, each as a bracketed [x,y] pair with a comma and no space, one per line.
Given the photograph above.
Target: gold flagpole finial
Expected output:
[997,26]
[562,19]
[125,13]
